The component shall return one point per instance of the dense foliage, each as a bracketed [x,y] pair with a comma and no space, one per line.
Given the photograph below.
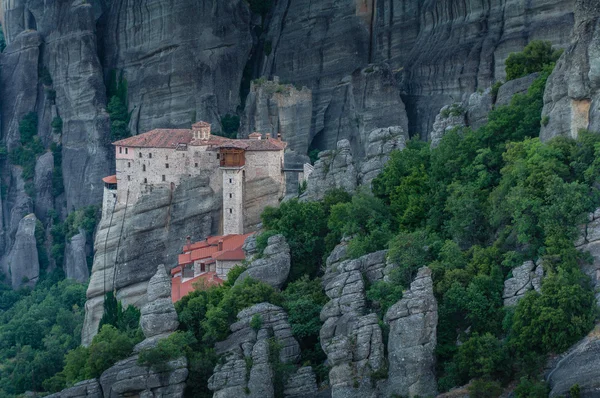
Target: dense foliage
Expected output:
[37,329]
[117,107]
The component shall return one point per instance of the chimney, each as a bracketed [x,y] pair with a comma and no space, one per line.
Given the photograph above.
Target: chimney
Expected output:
[220,247]
[188,243]
[279,136]
[268,135]
[255,136]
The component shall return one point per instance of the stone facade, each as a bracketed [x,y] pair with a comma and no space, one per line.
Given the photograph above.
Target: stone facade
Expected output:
[233,200]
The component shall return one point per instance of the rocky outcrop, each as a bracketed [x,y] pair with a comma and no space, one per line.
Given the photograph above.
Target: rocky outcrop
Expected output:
[340,169]
[352,337]
[573,89]
[580,365]
[334,169]
[22,265]
[380,144]
[128,379]
[589,241]
[76,266]
[158,315]
[83,389]
[478,107]
[275,108]
[248,352]
[182,60]
[512,87]
[273,267]
[412,339]
[450,117]
[524,278]
[366,100]
[131,240]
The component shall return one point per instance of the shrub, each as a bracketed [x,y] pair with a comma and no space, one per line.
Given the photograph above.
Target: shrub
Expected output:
[484,389]
[536,55]
[57,125]
[230,125]
[528,388]
[173,347]
[256,322]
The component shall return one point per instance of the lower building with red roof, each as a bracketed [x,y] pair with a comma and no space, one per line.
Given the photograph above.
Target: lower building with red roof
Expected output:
[206,263]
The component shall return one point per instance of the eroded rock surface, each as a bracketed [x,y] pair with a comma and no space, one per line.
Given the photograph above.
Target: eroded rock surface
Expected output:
[76,266]
[273,267]
[380,144]
[450,117]
[524,278]
[22,265]
[247,370]
[158,315]
[512,87]
[83,389]
[573,89]
[352,338]
[412,339]
[131,241]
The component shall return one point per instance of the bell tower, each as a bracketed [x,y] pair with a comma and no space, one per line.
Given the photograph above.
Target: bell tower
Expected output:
[232,165]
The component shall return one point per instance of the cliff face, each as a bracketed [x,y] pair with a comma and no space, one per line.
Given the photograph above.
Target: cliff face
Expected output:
[573,89]
[182,60]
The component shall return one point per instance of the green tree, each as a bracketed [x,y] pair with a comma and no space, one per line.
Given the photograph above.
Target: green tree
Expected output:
[536,55]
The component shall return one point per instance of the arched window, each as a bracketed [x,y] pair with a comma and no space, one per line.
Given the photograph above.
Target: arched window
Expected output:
[143,167]
[145,181]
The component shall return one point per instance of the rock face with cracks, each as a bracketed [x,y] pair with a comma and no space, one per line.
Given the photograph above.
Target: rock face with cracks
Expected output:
[249,355]
[273,267]
[352,337]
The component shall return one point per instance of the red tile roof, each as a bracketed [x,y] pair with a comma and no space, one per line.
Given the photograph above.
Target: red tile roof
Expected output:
[231,255]
[208,249]
[110,179]
[269,144]
[180,289]
[200,124]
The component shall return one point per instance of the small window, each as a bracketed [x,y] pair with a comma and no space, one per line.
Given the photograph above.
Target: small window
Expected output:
[166,165]
[120,149]
[230,211]
[140,154]
[126,150]
[202,267]
[143,167]
[218,155]
[145,181]
[150,155]
[128,178]
[230,181]
[114,195]
[164,177]
[230,196]
[128,164]
[195,164]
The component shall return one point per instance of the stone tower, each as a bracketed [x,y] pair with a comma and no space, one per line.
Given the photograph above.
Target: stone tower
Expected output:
[233,161]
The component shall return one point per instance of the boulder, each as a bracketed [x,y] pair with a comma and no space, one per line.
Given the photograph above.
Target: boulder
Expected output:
[158,315]
[76,266]
[478,107]
[524,278]
[380,144]
[273,267]
[412,340]
[512,87]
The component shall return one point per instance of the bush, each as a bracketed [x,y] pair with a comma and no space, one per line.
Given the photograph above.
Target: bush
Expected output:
[484,389]
[57,125]
[536,55]
[230,125]
[173,347]
[528,388]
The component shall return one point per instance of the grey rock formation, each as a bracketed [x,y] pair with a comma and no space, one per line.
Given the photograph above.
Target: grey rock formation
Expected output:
[274,108]
[249,246]
[366,100]
[19,82]
[134,239]
[478,106]
[352,339]
[589,241]
[22,265]
[334,169]
[412,339]
[182,60]
[273,267]
[450,117]
[524,278]
[512,87]
[380,143]
[126,378]
[83,389]
[578,366]
[573,90]
[44,199]
[76,266]
[247,370]
[158,315]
